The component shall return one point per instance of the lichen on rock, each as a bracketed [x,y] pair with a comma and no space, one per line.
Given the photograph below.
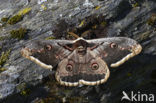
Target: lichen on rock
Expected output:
[4,57]
[19,33]
[15,19]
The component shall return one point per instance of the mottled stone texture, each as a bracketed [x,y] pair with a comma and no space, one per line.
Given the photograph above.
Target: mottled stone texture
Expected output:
[26,82]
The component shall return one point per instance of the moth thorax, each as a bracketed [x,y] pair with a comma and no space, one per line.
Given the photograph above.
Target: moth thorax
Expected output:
[81,50]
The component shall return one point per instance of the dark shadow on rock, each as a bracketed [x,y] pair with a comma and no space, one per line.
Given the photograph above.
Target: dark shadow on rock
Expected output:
[136,75]
[122,10]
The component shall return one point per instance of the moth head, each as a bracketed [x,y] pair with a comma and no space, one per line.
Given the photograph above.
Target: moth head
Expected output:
[81,50]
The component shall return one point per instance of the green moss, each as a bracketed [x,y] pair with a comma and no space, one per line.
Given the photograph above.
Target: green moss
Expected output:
[4,57]
[94,26]
[24,11]
[49,38]
[144,36]
[18,17]
[25,92]
[82,23]
[152,20]
[19,33]
[104,24]
[15,19]
[97,7]
[4,19]
[3,22]
[2,69]
[3,38]
[21,86]
[43,7]
[135,5]
[24,89]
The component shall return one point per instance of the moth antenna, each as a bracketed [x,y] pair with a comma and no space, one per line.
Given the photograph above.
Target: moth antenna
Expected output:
[85,33]
[74,35]
[95,46]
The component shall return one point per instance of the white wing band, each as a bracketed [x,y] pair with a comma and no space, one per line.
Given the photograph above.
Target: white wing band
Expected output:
[135,51]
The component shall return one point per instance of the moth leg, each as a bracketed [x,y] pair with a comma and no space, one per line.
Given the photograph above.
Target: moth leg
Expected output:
[95,46]
[66,47]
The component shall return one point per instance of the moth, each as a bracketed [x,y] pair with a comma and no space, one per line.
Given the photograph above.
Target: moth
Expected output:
[80,61]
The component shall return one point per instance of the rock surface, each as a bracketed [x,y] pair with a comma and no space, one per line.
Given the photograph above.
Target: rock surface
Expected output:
[26,82]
